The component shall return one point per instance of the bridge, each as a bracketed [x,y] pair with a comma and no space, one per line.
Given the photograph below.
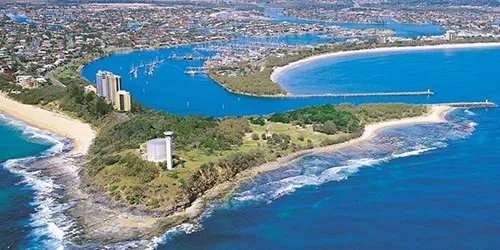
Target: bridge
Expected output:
[485,104]
[415,93]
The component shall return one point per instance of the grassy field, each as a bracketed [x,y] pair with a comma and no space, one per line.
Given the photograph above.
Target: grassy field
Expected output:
[169,184]
[130,179]
[299,135]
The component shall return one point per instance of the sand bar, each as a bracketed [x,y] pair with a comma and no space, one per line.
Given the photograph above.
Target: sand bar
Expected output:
[81,133]
[279,71]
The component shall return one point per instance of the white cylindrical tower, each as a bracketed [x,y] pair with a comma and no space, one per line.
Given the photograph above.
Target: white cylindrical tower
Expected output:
[168,141]
[157,150]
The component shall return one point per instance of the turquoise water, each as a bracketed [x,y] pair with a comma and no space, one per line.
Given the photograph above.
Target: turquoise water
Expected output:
[15,209]
[27,212]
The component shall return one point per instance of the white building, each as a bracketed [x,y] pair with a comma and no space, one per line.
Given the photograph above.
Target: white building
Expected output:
[157,150]
[450,35]
[41,80]
[168,139]
[160,150]
[107,85]
[102,84]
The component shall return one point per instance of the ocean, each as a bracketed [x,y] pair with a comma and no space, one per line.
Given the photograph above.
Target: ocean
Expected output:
[31,214]
[417,187]
[425,186]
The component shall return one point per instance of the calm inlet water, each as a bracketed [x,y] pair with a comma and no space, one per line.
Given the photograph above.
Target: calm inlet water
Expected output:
[454,75]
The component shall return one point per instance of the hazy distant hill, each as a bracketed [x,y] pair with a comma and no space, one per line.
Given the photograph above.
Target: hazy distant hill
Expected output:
[304,2]
[23,1]
[449,2]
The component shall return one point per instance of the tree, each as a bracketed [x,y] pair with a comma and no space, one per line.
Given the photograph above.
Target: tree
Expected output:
[255,136]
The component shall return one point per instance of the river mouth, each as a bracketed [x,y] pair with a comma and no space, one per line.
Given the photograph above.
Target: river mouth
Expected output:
[451,74]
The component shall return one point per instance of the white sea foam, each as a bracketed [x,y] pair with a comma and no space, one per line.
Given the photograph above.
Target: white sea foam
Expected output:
[284,186]
[36,135]
[50,225]
[469,112]
[472,124]
[414,152]
[186,228]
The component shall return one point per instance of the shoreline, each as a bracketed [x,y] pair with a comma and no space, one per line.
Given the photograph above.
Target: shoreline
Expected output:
[279,71]
[81,133]
[128,50]
[101,218]
[436,114]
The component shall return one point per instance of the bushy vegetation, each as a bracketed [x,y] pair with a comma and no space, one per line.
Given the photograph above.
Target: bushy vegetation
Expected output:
[72,98]
[257,120]
[86,106]
[212,173]
[346,117]
[372,113]
[191,132]
[255,83]
[42,95]
[325,118]
[7,84]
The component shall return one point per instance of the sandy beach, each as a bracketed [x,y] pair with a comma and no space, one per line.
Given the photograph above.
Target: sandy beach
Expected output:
[279,71]
[435,115]
[81,133]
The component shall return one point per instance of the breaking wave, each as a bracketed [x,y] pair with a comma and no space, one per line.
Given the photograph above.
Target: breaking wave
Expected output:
[276,189]
[49,224]
[468,112]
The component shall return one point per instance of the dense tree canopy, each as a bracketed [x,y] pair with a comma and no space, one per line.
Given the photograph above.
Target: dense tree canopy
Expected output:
[326,117]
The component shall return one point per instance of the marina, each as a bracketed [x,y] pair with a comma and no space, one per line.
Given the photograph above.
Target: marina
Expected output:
[196,70]
[149,68]
[173,80]
[187,57]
